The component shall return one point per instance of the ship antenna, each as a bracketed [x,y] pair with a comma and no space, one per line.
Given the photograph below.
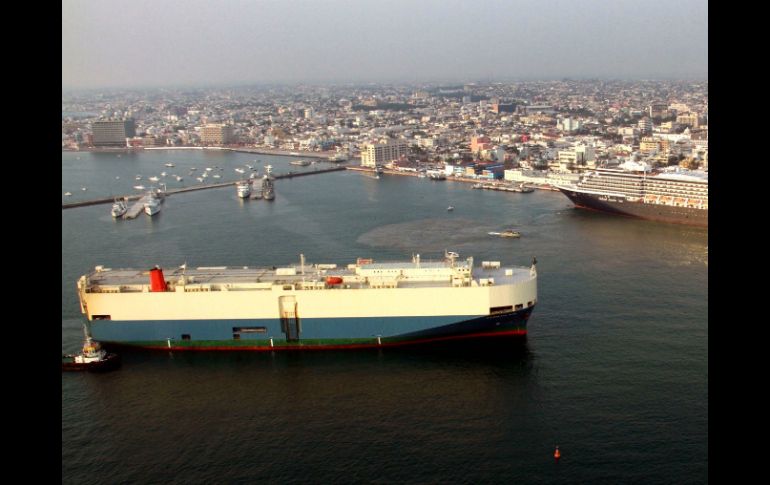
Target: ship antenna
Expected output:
[87,334]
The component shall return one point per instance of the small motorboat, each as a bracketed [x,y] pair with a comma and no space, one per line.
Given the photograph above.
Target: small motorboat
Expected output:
[506,233]
[450,208]
[92,358]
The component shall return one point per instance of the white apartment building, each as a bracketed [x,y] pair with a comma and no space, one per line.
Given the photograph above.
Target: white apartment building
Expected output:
[373,154]
[579,156]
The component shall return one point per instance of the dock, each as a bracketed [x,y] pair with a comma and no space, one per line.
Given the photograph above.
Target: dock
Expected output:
[136,209]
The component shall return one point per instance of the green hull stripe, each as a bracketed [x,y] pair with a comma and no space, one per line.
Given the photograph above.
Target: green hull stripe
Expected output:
[283,343]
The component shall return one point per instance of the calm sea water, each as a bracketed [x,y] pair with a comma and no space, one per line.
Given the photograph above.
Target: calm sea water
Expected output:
[614,370]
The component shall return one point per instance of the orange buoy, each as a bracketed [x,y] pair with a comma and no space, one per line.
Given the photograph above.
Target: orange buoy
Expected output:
[557,453]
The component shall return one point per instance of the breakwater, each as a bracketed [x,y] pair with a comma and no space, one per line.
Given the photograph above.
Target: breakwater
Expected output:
[129,197]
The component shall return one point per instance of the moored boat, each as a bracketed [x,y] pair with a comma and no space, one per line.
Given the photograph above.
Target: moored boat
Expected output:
[243,189]
[118,208]
[152,205]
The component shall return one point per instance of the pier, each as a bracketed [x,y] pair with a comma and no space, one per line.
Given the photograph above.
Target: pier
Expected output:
[135,209]
[139,197]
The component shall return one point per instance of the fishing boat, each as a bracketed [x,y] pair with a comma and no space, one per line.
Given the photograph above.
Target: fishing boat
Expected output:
[243,189]
[268,191]
[152,206]
[118,208]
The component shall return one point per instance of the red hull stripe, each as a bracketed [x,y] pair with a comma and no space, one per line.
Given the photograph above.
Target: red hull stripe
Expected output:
[263,348]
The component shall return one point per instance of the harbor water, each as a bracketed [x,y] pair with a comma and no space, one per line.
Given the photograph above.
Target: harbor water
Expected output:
[614,369]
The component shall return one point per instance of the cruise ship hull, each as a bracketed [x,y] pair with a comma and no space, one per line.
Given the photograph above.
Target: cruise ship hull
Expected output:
[621,206]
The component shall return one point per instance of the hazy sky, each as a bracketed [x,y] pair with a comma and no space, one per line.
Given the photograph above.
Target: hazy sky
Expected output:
[187,42]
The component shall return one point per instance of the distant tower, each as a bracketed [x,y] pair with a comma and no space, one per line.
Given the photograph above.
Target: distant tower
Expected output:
[645,125]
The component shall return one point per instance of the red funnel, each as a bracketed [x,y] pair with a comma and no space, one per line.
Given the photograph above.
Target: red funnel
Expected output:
[157,283]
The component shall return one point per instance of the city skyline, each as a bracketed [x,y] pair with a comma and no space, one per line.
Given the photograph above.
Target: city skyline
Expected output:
[198,43]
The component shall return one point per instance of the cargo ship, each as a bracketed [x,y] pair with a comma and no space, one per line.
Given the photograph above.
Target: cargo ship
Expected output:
[322,306]
[636,190]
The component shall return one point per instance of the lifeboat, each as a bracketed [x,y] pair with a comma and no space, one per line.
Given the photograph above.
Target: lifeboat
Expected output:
[333,280]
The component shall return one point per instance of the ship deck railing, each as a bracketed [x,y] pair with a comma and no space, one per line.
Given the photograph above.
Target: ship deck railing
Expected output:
[266,279]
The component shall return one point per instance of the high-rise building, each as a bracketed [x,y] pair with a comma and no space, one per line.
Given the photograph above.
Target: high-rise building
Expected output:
[645,125]
[112,133]
[374,154]
[216,134]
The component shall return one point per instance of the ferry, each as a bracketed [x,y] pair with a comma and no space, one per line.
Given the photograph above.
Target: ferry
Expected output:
[322,306]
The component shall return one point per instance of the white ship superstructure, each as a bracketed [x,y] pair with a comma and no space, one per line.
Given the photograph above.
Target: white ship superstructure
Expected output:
[678,195]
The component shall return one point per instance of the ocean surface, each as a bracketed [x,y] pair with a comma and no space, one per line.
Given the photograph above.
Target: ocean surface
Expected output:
[614,370]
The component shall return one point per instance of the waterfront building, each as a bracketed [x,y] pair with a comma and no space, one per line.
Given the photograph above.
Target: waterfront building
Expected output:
[373,154]
[112,133]
[539,177]
[216,134]
[576,157]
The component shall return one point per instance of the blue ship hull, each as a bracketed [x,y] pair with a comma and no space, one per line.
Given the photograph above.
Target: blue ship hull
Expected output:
[273,334]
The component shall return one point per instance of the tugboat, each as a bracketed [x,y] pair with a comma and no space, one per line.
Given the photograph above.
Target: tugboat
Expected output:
[93,358]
